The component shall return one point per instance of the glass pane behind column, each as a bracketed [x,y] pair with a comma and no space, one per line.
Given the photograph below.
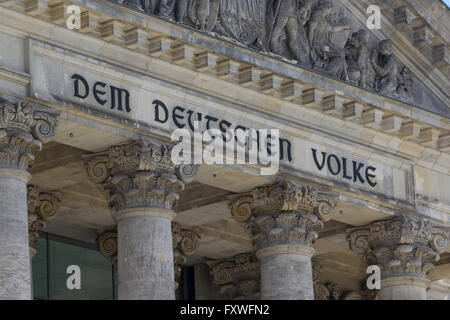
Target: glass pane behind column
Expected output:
[39,269]
[96,272]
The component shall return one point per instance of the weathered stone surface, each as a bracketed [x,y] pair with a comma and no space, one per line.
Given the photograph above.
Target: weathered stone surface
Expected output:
[185,244]
[141,187]
[22,127]
[145,259]
[136,176]
[286,277]
[42,207]
[239,277]
[296,30]
[405,249]
[107,245]
[14,252]
[283,220]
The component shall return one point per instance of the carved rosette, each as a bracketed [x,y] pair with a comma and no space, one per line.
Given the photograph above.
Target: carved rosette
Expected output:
[185,244]
[284,214]
[22,129]
[238,277]
[137,175]
[401,246]
[107,245]
[42,207]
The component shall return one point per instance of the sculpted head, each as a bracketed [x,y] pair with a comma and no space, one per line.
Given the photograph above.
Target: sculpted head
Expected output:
[363,36]
[385,47]
[326,6]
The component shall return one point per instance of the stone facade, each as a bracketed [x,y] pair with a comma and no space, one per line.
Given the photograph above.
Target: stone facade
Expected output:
[86,122]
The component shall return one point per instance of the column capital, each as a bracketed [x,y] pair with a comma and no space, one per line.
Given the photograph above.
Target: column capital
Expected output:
[330,290]
[107,245]
[284,218]
[238,277]
[23,126]
[286,196]
[42,207]
[185,244]
[402,246]
[136,177]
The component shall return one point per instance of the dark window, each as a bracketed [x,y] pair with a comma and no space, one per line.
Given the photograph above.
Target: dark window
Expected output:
[55,254]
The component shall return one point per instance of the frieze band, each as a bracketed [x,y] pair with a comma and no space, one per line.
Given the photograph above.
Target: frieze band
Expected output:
[296,30]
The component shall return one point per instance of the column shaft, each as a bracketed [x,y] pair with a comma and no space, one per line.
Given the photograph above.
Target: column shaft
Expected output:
[14,249]
[286,277]
[23,126]
[403,288]
[283,220]
[145,258]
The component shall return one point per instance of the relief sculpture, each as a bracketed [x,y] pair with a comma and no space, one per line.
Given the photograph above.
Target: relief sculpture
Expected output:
[313,32]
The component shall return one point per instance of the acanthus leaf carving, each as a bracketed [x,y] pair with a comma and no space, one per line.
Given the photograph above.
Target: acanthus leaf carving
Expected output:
[401,246]
[42,208]
[136,175]
[284,214]
[185,244]
[22,129]
[238,277]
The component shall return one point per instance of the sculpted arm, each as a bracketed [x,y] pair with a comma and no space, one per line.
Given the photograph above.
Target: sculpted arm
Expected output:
[383,71]
[311,29]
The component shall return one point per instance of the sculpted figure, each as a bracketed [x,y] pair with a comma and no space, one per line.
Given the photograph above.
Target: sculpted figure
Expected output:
[290,16]
[166,7]
[385,67]
[151,5]
[242,20]
[326,55]
[134,3]
[405,84]
[181,9]
[357,56]
[198,11]
[304,14]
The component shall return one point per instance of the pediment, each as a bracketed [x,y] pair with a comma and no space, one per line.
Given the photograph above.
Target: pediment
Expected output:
[415,70]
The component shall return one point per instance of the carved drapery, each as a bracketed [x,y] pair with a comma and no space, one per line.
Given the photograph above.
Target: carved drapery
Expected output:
[134,176]
[401,246]
[22,128]
[239,277]
[42,207]
[284,214]
[299,30]
[185,244]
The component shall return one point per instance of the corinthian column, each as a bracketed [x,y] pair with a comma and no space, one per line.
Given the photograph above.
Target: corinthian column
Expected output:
[283,221]
[404,248]
[22,128]
[141,187]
